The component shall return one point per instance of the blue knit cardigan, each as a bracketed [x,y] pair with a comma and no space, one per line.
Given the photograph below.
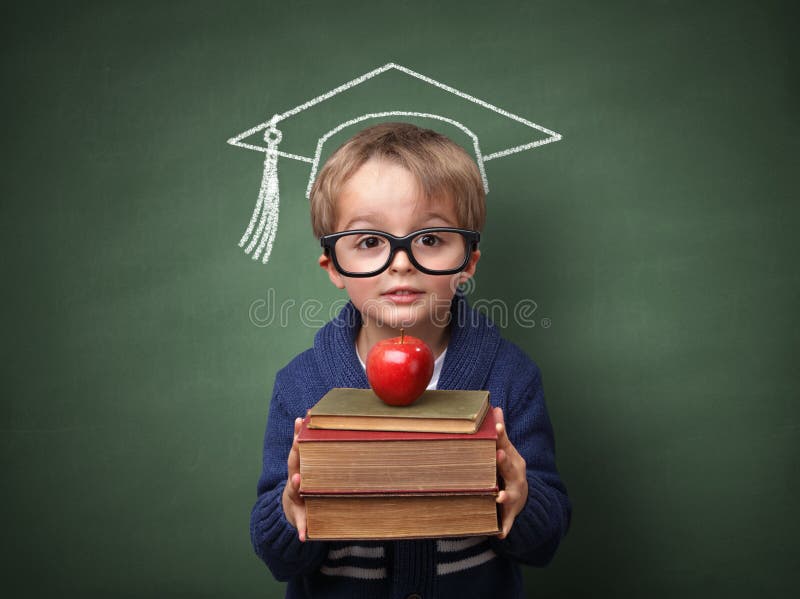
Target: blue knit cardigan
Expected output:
[477,358]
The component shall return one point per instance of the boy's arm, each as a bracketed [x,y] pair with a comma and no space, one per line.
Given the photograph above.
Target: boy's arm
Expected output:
[274,539]
[538,529]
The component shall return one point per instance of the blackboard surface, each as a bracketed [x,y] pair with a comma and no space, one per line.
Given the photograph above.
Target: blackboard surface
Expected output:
[658,241]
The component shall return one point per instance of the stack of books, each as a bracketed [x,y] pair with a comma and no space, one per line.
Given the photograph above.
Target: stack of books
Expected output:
[373,471]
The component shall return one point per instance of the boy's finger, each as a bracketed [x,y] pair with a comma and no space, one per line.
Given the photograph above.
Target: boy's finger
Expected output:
[502,436]
[506,520]
[499,416]
[297,422]
[301,525]
[293,488]
[293,461]
[505,466]
[507,523]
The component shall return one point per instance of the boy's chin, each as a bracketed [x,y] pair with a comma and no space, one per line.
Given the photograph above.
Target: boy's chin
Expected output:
[407,317]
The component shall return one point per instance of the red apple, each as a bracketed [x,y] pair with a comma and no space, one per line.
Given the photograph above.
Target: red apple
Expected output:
[399,369]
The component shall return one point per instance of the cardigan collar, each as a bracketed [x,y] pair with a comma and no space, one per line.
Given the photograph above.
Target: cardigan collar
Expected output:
[473,345]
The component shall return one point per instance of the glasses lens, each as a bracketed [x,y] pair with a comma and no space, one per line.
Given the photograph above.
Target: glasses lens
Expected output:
[439,250]
[361,252]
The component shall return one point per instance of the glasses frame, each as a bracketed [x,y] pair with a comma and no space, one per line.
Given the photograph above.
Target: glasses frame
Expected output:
[401,243]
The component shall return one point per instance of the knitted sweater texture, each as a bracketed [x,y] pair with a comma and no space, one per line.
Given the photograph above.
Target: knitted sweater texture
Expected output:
[477,358]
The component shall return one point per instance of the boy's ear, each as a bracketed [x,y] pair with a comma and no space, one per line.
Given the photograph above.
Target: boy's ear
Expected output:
[469,271]
[327,264]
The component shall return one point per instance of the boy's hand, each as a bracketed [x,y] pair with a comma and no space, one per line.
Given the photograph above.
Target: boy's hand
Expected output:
[294,506]
[511,466]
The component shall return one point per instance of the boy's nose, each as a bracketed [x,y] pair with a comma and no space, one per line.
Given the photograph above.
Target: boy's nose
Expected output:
[400,262]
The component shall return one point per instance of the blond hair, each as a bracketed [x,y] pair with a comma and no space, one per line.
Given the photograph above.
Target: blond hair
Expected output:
[440,166]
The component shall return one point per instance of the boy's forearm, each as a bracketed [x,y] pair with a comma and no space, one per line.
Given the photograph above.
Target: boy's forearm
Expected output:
[544,520]
[275,539]
[539,527]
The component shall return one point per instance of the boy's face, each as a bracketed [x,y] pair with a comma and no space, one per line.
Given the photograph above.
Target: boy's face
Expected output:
[384,196]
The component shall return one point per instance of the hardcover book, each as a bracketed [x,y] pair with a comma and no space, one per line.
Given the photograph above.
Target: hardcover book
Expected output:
[442,411]
[399,516]
[352,462]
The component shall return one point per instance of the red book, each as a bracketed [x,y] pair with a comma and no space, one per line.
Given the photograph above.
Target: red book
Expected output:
[345,462]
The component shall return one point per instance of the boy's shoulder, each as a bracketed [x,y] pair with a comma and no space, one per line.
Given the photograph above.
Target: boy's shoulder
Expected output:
[328,339]
[513,365]
[299,368]
[299,382]
[512,352]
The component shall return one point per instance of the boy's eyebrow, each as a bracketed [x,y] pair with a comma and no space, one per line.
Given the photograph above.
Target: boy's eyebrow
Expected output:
[430,215]
[370,218]
[373,218]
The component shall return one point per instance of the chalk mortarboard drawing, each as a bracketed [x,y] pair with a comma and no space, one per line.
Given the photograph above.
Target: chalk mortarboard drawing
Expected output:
[260,233]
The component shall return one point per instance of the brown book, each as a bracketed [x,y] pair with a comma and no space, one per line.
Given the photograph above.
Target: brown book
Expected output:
[353,462]
[439,411]
[399,516]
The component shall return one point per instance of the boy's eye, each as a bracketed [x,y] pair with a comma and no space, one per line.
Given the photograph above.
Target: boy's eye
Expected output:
[368,243]
[430,240]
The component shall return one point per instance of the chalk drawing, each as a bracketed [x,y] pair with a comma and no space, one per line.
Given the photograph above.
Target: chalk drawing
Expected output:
[376,115]
[263,226]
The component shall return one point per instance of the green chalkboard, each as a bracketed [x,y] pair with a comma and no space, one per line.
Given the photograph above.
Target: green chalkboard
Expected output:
[656,241]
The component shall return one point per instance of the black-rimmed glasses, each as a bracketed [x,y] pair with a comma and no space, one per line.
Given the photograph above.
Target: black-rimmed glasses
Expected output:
[434,251]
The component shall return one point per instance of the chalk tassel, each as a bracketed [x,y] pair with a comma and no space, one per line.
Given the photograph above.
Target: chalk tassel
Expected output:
[266,209]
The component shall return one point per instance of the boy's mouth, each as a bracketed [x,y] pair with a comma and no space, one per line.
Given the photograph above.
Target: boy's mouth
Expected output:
[402,295]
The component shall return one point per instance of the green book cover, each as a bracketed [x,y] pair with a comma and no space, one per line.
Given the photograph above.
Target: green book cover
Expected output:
[433,404]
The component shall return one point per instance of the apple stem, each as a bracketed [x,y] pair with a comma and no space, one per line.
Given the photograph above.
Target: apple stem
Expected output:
[402,335]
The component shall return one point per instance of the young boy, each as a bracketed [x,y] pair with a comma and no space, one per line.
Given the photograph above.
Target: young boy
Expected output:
[393,181]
